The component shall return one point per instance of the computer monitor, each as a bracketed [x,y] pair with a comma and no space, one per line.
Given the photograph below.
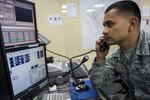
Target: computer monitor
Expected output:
[27,69]
[18,21]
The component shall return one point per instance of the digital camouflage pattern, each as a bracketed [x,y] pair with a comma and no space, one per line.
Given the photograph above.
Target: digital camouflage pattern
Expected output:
[134,72]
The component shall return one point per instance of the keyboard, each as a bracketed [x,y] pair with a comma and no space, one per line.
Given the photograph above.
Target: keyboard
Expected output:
[54,96]
[79,72]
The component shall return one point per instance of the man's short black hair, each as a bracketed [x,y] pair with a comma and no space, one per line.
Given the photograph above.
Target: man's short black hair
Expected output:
[126,6]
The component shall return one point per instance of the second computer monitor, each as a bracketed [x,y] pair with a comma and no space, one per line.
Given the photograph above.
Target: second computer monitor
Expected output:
[27,68]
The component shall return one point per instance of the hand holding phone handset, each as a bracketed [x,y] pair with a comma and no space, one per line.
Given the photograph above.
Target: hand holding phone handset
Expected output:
[102,48]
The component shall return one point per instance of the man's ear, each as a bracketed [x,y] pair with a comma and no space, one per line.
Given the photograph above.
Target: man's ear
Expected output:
[133,23]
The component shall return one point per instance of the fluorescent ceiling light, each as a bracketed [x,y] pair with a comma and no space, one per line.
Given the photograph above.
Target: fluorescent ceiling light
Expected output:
[99,5]
[63,6]
[63,11]
[90,10]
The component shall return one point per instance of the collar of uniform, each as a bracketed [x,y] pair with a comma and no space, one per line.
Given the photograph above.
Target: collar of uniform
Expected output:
[117,53]
[142,47]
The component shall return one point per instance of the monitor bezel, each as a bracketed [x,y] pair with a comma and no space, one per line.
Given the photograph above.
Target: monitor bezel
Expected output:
[35,87]
[6,94]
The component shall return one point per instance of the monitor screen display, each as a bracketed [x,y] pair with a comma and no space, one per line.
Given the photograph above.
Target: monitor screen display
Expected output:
[27,67]
[23,14]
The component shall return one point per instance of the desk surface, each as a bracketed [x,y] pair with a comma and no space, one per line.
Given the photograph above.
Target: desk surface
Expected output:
[60,89]
[68,90]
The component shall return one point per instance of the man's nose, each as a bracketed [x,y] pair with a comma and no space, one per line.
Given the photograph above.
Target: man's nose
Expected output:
[105,31]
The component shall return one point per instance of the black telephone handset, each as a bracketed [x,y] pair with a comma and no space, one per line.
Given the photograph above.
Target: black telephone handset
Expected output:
[104,46]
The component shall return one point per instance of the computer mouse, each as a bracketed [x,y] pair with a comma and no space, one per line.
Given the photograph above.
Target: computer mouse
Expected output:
[81,87]
[78,81]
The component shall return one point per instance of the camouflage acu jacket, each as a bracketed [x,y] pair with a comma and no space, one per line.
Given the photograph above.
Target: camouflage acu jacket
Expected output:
[134,72]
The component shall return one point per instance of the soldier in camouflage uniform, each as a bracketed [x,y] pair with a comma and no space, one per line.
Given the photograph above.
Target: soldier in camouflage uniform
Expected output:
[131,62]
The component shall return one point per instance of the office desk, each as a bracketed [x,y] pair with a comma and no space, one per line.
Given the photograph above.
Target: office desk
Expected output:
[60,89]
[70,93]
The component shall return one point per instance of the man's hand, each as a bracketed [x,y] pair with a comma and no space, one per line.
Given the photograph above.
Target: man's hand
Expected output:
[100,54]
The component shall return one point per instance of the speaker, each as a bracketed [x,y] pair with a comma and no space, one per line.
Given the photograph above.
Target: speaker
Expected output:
[59,77]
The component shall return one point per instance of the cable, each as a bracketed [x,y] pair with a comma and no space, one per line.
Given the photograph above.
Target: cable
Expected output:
[82,54]
[71,57]
[70,60]
[58,54]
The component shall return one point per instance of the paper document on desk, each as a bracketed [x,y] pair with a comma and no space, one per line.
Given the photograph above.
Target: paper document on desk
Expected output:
[52,67]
